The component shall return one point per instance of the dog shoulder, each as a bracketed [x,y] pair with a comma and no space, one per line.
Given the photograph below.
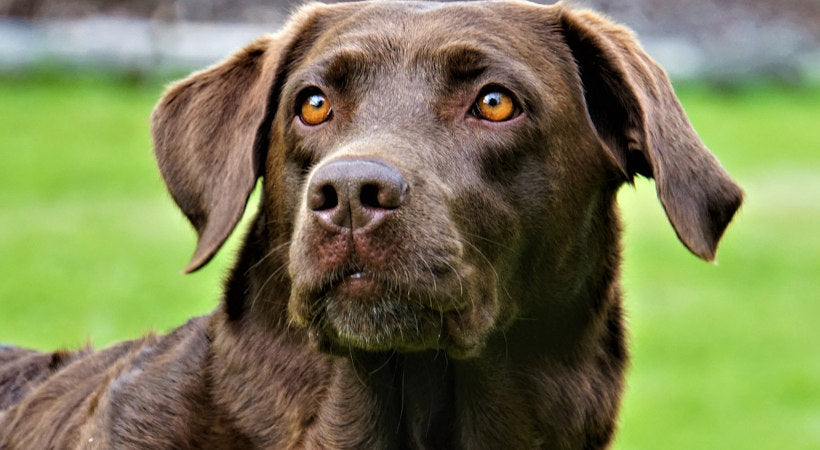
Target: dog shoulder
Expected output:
[54,397]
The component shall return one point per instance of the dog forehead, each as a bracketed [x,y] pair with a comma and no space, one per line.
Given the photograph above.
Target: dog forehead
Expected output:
[411,27]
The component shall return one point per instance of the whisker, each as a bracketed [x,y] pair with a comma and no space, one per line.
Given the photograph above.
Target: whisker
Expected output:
[353,366]
[490,264]
[488,240]
[267,280]
[401,404]
[429,269]
[386,361]
[267,255]
[458,276]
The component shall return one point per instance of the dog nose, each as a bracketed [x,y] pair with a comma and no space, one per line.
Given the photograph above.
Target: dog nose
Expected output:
[355,193]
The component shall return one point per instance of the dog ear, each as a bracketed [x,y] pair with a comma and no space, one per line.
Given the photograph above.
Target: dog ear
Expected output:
[211,133]
[641,123]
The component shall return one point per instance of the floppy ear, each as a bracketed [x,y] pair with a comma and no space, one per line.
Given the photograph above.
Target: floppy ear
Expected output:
[211,133]
[641,123]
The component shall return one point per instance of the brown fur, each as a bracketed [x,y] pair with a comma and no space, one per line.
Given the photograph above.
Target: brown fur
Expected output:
[487,314]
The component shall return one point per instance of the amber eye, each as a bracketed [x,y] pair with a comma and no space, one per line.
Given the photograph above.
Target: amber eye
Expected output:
[315,108]
[495,105]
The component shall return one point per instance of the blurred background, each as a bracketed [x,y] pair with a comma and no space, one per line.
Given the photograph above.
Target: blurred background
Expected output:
[725,356]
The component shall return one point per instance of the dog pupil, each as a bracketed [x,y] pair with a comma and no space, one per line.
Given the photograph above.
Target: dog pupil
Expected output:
[316,101]
[492,100]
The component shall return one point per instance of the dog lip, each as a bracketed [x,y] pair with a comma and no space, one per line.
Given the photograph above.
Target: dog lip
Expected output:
[355,272]
[359,277]
[357,282]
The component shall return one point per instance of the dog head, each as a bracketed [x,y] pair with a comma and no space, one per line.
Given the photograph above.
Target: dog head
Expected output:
[433,171]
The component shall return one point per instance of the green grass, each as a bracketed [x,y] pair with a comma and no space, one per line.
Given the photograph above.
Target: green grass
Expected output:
[728,356]
[725,356]
[91,246]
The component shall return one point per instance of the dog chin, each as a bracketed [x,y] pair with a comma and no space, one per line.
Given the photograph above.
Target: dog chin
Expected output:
[362,313]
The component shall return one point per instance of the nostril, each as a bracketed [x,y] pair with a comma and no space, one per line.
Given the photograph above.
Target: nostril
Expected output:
[369,196]
[324,198]
[330,196]
[355,193]
[387,195]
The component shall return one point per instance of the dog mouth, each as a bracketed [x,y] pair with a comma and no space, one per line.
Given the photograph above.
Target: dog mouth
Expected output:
[356,282]
[373,310]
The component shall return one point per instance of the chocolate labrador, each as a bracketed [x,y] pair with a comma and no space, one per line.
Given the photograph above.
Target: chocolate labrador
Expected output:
[434,263]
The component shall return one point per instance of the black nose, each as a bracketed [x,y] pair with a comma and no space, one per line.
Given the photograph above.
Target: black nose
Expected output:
[355,193]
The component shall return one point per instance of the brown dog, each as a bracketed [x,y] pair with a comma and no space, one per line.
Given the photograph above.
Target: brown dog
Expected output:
[435,259]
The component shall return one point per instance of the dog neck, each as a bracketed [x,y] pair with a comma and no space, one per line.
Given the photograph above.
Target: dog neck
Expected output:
[509,395]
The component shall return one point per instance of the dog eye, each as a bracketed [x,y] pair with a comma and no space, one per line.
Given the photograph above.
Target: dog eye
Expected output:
[495,105]
[315,108]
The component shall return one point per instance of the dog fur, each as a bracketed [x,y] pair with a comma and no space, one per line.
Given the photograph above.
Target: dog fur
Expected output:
[477,307]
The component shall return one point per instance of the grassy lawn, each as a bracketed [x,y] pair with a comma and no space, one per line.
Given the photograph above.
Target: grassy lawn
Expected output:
[725,356]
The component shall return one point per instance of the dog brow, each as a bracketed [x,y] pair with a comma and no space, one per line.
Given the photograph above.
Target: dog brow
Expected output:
[344,66]
[463,62]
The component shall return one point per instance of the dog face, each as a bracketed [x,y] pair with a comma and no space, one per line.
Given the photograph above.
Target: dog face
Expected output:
[431,172]
[453,136]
